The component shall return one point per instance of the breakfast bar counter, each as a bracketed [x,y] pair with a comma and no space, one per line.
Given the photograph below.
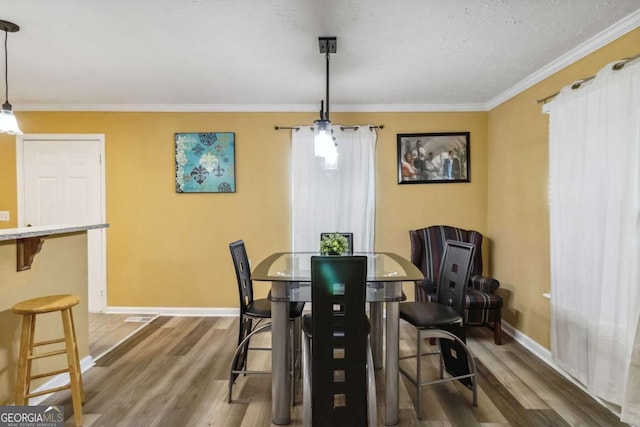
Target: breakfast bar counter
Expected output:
[34,262]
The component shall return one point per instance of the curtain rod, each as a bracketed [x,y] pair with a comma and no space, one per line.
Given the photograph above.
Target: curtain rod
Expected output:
[297,128]
[617,66]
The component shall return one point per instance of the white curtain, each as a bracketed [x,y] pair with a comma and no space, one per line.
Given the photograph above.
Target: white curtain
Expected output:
[340,200]
[594,158]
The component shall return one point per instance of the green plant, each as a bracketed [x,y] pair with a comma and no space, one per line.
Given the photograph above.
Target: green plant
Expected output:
[334,244]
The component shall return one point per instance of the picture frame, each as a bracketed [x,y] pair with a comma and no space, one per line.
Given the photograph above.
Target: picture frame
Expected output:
[434,158]
[205,162]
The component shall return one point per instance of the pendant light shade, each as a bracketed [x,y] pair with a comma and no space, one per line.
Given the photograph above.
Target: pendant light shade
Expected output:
[322,140]
[8,122]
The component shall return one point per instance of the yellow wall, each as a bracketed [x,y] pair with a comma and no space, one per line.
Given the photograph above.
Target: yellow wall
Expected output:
[59,268]
[168,249]
[518,208]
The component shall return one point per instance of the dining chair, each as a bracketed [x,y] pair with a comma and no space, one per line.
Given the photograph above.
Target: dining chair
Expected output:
[444,320]
[258,310]
[338,382]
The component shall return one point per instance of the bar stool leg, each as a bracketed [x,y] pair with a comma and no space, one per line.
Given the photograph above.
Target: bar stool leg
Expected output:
[74,366]
[24,363]
[75,340]
[32,338]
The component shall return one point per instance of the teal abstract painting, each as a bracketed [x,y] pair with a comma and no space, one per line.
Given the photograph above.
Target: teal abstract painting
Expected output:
[205,162]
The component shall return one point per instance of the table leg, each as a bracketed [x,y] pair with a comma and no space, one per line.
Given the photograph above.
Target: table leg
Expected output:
[280,355]
[391,360]
[377,330]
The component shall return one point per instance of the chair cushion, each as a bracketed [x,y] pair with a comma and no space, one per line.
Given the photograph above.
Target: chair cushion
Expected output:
[262,308]
[307,320]
[423,314]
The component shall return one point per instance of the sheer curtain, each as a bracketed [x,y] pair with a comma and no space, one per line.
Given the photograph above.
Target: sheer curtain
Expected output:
[594,158]
[333,200]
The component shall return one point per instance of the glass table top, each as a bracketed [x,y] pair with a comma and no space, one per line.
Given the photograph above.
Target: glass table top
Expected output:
[296,267]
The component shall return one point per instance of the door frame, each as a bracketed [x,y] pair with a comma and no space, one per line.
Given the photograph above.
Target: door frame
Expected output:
[21,214]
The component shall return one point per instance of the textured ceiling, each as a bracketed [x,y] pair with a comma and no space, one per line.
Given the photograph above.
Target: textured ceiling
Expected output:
[265,52]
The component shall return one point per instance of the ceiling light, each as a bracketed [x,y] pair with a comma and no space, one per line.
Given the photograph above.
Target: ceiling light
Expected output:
[323,142]
[8,122]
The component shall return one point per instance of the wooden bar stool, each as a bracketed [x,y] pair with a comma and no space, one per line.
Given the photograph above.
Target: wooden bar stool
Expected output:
[29,309]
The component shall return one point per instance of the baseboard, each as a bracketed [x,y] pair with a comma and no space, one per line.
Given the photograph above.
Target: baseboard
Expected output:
[59,380]
[176,311]
[545,355]
[539,351]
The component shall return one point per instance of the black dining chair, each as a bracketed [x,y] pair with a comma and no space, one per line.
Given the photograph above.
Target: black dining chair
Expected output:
[257,310]
[444,320]
[339,382]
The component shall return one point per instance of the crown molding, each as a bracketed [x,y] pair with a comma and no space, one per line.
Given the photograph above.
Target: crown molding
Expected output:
[168,108]
[617,30]
[238,108]
[407,108]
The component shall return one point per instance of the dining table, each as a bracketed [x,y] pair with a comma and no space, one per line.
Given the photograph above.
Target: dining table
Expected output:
[290,277]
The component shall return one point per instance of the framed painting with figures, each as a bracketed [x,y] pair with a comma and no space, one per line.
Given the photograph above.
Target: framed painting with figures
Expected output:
[428,158]
[205,162]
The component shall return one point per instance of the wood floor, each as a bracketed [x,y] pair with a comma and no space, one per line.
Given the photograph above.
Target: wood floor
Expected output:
[108,330]
[174,372]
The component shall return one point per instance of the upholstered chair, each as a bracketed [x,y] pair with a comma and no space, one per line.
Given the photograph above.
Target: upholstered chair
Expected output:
[483,304]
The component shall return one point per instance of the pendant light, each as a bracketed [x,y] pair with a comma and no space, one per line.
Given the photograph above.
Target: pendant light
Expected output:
[8,122]
[323,143]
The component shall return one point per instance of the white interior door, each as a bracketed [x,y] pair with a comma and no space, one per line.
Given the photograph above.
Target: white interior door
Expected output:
[61,181]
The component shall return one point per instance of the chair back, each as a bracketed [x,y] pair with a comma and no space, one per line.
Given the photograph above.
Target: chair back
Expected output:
[348,236]
[243,274]
[427,251]
[339,377]
[454,274]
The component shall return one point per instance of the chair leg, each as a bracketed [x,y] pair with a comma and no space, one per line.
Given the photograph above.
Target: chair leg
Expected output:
[473,370]
[296,329]
[497,327]
[440,360]
[372,403]
[244,329]
[243,348]
[297,343]
[419,372]
[306,382]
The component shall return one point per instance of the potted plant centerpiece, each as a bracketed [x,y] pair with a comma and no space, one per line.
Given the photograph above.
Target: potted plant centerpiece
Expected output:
[334,244]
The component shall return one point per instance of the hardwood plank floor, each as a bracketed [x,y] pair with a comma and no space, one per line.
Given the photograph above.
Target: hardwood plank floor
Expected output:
[174,372]
[107,330]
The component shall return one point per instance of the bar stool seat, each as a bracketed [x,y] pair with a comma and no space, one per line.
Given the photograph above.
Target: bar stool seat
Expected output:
[29,309]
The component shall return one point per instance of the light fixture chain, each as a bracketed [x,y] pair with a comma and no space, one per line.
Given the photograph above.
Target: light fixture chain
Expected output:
[6,68]
[327,56]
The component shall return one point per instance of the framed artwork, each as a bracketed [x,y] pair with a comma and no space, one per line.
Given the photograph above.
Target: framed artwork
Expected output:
[205,162]
[427,158]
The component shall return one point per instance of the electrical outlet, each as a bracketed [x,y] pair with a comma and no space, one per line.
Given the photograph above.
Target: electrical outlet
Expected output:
[4,216]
